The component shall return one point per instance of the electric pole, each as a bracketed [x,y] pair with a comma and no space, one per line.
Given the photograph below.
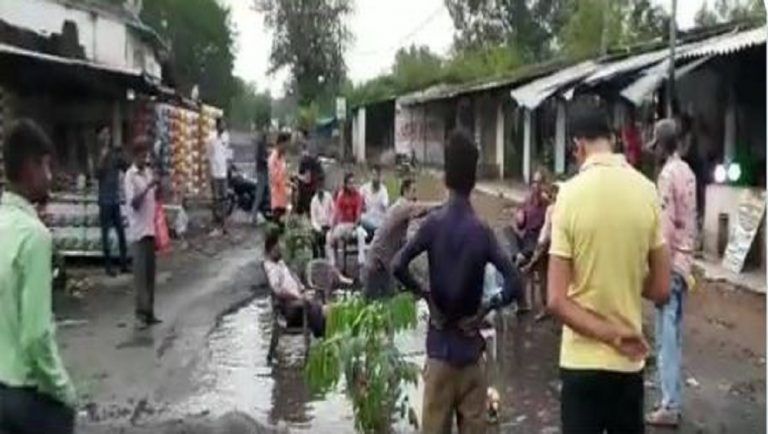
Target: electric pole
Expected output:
[672,43]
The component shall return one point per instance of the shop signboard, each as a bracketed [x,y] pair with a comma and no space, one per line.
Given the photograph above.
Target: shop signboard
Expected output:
[743,232]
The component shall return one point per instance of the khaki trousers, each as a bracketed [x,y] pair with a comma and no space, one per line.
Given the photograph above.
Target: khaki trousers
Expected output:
[449,390]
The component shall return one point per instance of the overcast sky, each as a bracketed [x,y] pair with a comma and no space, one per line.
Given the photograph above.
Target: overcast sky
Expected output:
[380,28]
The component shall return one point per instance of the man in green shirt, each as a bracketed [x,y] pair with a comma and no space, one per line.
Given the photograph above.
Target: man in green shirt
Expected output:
[36,394]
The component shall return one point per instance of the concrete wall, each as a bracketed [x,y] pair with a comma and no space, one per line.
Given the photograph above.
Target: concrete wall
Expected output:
[105,39]
[420,129]
[358,135]
[486,110]
[724,199]
[423,128]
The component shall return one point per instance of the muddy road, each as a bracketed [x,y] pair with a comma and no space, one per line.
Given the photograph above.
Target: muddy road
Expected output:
[204,369]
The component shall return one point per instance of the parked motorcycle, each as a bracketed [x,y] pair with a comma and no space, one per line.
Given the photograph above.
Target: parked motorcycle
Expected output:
[241,191]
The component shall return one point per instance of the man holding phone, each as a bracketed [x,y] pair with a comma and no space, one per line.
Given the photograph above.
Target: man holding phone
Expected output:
[140,192]
[607,253]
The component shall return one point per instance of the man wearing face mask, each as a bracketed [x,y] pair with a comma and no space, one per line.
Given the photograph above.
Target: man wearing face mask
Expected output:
[607,253]
[36,394]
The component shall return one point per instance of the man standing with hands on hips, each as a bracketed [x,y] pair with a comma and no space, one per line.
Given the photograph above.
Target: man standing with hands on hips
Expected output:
[607,253]
[458,246]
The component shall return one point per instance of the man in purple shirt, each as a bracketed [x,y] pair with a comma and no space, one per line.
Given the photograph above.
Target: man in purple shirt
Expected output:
[458,247]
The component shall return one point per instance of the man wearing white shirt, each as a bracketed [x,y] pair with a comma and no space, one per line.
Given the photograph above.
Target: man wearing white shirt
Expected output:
[219,156]
[140,191]
[321,217]
[376,202]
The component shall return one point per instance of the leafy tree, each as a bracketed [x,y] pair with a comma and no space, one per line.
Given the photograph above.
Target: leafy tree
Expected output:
[595,25]
[201,42]
[485,62]
[532,27]
[646,21]
[415,67]
[309,38]
[705,16]
[730,10]
[249,108]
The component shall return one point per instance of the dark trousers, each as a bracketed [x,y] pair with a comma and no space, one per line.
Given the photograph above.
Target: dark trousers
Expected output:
[318,243]
[293,316]
[219,187]
[110,217]
[144,277]
[305,193]
[25,411]
[594,401]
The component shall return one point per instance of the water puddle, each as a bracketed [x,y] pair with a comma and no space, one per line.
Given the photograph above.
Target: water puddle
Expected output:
[236,377]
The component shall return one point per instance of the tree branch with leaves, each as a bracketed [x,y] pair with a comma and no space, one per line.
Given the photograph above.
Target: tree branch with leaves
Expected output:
[309,38]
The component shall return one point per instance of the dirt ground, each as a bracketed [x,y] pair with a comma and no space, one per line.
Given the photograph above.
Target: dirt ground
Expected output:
[204,369]
[724,352]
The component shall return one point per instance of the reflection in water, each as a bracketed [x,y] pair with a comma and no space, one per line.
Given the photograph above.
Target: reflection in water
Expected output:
[234,376]
[290,396]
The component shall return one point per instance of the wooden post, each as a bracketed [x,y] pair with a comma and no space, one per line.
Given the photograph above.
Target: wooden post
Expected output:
[560,138]
[500,137]
[527,139]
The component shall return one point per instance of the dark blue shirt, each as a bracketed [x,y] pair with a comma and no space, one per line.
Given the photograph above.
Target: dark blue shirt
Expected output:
[458,247]
[109,178]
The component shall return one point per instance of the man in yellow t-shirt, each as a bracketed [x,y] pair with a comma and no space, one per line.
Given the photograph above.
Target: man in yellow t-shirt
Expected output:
[606,254]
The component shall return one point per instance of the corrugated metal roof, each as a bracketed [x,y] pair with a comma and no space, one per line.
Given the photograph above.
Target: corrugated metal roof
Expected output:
[727,43]
[633,63]
[653,77]
[714,45]
[530,95]
[445,91]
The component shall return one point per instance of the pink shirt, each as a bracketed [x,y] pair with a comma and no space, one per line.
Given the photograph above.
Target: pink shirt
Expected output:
[141,222]
[278,184]
[677,189]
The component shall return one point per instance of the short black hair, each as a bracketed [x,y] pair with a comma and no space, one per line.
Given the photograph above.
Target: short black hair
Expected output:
[405,186]
[376,167]
[589,121]
[26,141]
[669,145]
[461,157]
[271,239]
[348,176]
[283,138]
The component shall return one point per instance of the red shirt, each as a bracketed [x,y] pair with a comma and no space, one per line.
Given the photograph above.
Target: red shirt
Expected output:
[632,147]
[348,206]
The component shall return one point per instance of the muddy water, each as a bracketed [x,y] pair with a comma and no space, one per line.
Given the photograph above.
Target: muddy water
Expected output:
[236,377]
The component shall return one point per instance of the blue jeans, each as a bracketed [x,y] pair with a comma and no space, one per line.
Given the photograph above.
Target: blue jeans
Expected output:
[261,200]
[669,344]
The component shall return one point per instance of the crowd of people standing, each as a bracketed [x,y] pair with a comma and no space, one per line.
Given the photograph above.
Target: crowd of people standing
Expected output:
[609,238]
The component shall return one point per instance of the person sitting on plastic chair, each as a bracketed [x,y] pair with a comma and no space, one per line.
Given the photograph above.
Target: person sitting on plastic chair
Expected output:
[376,203]
[348,208]
[289,290]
